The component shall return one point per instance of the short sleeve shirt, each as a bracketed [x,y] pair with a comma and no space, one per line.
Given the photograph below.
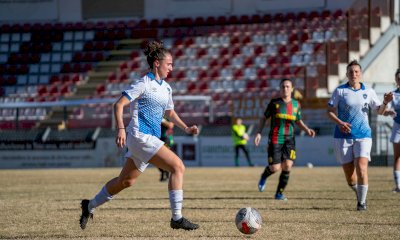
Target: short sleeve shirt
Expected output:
[150,98]
[283,116]
[353,107]
[395,104]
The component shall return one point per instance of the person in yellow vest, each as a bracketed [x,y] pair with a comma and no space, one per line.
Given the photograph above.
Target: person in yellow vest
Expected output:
[240,137]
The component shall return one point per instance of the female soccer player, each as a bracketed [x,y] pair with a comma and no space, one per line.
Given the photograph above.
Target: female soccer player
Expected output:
[348,108]
[284,113]
[395,137]
[150,98]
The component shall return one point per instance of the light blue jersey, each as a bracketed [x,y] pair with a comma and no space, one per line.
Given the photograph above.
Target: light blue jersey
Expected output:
[353,107]
[149,100]
[395,104]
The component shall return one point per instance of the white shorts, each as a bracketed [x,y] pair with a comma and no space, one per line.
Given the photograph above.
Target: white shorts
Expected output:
[141,148]
[395,138]
[348,149]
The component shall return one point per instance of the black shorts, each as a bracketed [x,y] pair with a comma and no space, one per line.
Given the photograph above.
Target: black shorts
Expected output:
[279,152]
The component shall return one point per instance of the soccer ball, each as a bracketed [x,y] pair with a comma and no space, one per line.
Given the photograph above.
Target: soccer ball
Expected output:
[248,220]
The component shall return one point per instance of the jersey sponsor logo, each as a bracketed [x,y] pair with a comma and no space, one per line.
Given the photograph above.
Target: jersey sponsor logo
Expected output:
[285,116]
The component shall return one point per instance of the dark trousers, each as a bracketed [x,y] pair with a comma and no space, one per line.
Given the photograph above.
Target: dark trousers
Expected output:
[244,149]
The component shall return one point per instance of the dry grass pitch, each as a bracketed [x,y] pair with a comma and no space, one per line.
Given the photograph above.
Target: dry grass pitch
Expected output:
[45,204]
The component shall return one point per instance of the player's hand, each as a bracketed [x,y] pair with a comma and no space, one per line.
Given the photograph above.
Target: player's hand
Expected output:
[390,112]
[192,130]
[310,132]
[257,139]
[345,127]
[387,97]
[120,139]
[245,136]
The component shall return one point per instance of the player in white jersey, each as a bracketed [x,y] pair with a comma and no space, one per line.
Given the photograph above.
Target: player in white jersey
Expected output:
[348,108]
[150,99]
[395,137]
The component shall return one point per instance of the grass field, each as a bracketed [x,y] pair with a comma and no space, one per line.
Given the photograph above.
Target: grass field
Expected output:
[45,204]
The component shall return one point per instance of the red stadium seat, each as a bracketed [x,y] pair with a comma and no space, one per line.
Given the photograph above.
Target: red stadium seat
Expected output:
[211,21]
[202,75]
[154,23]
[134,55]
[251,85]
[199,21]
[75,78]
[54,80]
[221,20]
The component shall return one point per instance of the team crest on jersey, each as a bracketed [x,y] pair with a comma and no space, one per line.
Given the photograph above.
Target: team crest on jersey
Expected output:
[154,89]
[276,106]
[365,96]
[295,110]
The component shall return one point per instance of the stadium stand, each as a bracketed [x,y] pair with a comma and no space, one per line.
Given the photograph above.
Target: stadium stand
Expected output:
[227,58]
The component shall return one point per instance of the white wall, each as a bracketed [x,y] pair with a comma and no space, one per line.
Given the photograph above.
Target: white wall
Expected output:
[190,8]
[382,69]
[70,10]
[24,11]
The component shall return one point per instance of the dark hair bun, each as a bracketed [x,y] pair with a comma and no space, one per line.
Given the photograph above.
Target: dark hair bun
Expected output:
[152,48]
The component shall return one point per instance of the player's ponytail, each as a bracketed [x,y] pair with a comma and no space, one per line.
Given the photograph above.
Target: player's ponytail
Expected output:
[154,50]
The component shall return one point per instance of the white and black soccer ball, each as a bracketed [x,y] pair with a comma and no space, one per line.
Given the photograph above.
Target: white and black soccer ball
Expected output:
[248,220]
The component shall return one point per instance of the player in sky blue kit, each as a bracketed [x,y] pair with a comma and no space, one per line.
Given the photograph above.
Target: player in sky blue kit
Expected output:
[394,106]
[150,99]
[348,108]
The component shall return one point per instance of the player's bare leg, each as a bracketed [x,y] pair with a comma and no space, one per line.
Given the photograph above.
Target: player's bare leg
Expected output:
[127,178]
[169,161]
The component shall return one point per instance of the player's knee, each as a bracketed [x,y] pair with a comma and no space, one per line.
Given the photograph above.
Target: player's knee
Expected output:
[178,168]
[127,182]
[274,169]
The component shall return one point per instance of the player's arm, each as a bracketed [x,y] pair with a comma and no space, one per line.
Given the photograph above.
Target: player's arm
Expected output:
[390,113]
[120,139]
[173,117]
[310,132]
[167,123]
[343,126]
[260,128]
[387,98]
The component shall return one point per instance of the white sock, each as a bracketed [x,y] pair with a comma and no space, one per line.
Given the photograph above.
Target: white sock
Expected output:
[176,201]
[102,197]
[362,191]
[396,175]
[354,187]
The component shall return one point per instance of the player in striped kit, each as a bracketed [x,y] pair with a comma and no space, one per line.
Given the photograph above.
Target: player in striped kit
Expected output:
[348,108]
[150,99]
[284,113]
